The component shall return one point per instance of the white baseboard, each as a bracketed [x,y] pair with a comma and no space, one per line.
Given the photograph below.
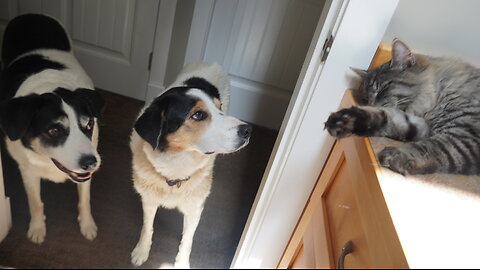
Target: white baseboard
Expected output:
[257,103]
[153,90]
[5,218]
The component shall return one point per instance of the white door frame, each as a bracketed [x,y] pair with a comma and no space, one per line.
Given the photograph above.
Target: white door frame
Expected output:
[196,41]
[161,47]
[303,146]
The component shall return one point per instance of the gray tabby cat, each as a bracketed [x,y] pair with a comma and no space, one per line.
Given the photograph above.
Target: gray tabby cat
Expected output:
[431,103]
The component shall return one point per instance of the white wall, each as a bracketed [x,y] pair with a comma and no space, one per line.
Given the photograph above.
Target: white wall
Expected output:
[5,215]
[438,27]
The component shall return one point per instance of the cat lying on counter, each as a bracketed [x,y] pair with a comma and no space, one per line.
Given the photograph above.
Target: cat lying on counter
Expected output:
[431,103]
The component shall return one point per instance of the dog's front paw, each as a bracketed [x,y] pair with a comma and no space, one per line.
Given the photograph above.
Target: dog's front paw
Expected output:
[88,228]
[182,265]
[167,266]
[140,255]
[397,161]
[342,123]
[37,232]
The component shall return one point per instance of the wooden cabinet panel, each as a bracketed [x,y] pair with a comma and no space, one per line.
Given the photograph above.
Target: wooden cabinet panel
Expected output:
[346,204]
[343,218]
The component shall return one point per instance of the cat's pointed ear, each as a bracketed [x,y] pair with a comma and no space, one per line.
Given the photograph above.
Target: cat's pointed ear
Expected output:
[402,56]
[360,72]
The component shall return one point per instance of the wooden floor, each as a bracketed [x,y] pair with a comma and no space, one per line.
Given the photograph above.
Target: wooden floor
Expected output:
[117,209]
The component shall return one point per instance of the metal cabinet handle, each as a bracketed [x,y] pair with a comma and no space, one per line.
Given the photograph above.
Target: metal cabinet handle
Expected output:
[347,249]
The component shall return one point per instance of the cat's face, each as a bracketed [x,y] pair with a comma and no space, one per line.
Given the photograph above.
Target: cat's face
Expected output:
[392,84]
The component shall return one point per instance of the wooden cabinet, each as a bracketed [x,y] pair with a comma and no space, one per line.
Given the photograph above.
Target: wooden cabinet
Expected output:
[347,204]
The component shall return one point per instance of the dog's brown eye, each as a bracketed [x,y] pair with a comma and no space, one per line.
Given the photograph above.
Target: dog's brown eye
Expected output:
[89,125]
[54,132]
[199,116]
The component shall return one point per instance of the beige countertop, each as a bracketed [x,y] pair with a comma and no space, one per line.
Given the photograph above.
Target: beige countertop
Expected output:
[436,216]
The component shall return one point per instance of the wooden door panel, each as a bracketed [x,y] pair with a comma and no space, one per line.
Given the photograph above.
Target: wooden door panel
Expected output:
[104,26]
[347,204]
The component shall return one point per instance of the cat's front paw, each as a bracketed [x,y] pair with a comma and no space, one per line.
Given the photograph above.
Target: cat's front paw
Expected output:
[397,161]
[342,123]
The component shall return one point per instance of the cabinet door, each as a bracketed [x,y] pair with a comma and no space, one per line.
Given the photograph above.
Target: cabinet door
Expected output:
[355,210]
[343,220]
[346,205]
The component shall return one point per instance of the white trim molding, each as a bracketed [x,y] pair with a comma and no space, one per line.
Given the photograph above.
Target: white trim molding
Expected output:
[161,48]
[154,89]
[266,104]
[5,214]
[197,38]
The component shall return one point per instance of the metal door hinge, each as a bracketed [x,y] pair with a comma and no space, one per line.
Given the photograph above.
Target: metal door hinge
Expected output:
[150,61]
[326,48]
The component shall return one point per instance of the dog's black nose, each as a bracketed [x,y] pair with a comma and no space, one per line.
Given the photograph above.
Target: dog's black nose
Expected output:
[88,162]
[244,131]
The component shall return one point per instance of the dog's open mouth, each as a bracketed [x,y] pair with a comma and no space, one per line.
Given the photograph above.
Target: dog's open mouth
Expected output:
[76,177]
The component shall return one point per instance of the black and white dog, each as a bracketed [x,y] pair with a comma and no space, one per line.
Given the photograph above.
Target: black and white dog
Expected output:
[174,144]
[48,113]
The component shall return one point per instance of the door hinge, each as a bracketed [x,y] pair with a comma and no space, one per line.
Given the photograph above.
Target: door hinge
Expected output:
[150,61]
[326,48]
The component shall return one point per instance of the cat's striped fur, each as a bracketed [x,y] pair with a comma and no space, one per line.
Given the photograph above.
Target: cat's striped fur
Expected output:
[431,103]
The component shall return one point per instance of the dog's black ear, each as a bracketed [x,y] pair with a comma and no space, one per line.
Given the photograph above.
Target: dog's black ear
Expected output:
[96,102]
[151,123]
[16,115]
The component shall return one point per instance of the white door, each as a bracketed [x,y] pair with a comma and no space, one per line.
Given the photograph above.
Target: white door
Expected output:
[112,39]
[303,146]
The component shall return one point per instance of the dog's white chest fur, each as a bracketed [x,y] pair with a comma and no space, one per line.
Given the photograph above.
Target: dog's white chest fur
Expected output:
[150,175]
